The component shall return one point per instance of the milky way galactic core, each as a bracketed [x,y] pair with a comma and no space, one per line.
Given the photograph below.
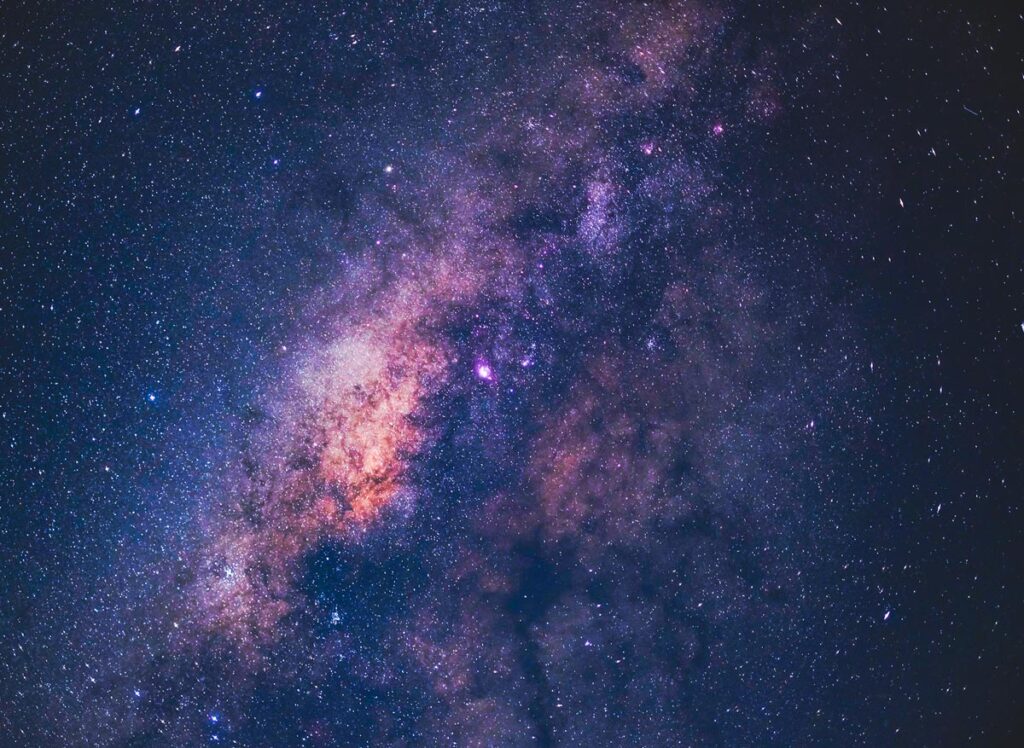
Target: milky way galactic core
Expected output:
[511,374]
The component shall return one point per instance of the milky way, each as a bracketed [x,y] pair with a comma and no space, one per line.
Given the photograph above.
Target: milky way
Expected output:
[560,422]
[531,461]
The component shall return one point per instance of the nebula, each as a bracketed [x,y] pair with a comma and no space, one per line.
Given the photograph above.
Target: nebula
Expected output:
[339,459]
[526,461]
[535,398]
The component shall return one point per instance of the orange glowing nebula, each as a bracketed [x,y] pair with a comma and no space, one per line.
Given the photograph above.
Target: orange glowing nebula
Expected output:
[344,450]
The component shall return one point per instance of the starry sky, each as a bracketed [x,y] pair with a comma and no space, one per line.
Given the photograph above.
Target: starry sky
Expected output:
[524,373]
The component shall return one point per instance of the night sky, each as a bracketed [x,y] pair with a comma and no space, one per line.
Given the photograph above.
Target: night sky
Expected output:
[519,373]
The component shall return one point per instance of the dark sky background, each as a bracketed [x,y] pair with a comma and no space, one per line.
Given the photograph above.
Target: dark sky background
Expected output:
[511,374]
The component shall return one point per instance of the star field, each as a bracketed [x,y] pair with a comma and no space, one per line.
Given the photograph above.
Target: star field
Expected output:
[510,374]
